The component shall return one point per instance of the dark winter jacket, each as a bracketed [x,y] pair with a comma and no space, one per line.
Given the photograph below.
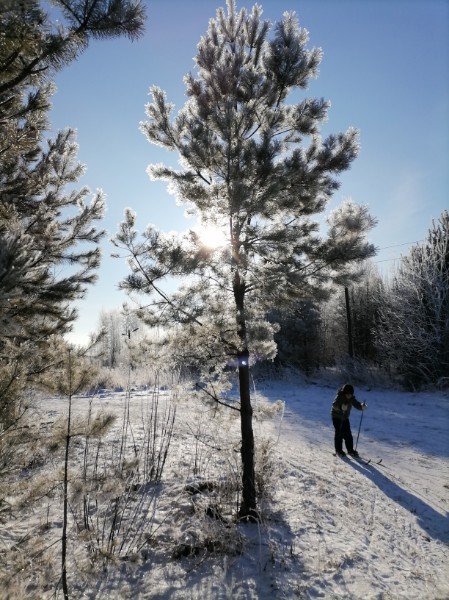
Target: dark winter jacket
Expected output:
[341,406]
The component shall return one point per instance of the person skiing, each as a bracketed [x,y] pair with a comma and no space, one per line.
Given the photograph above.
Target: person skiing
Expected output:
[341,408]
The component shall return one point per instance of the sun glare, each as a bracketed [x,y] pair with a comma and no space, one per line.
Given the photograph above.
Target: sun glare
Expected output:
[211,236]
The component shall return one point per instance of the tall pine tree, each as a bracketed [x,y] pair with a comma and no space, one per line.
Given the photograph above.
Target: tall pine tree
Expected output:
[255,168]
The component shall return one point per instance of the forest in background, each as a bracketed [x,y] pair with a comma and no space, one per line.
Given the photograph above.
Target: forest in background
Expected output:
[396,326]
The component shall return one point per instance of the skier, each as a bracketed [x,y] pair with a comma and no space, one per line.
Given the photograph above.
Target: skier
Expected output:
[341,408]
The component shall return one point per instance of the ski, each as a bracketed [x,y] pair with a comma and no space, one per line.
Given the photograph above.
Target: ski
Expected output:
[365,461]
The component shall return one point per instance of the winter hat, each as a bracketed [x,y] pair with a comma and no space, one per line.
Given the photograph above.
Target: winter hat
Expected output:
[347,389]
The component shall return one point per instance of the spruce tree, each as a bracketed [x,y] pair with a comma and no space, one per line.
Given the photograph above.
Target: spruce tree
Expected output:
[255,167]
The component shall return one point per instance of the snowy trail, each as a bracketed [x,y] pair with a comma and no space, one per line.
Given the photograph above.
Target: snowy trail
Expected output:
[420,464]
[367,531]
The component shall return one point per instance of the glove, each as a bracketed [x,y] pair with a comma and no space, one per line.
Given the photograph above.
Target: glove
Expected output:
[364,406]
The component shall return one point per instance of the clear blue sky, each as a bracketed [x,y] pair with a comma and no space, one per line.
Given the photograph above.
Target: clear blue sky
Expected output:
[385,70]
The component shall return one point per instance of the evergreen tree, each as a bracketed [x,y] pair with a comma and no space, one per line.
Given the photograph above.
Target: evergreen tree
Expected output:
[413,333]
[256,168]
[48,238]
[298,339]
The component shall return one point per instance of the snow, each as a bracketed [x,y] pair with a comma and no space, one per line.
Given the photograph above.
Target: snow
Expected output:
[332,527]
[381,530]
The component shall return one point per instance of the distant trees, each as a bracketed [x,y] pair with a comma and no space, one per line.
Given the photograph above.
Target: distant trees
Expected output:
[116,330]
[255,168]
[365,298]
[111,342]
[48,235]
[413,337]
[400,324]
[298,340]
[366,301]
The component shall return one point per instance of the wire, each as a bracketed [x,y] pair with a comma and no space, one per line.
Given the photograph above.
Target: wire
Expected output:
[395,246]
[386,260]
[404,244]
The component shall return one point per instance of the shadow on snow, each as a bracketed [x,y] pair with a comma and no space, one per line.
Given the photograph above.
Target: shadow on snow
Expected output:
[433,522]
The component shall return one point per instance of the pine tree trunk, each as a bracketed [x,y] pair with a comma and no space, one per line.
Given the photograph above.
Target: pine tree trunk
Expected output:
[248,504]
[65,588]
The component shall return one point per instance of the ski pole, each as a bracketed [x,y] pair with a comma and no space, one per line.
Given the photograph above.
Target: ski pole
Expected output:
[360,425]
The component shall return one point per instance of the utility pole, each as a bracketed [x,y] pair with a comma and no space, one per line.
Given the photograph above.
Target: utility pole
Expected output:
[349,321]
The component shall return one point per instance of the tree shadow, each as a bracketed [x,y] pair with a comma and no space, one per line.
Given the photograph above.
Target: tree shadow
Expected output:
[429,519]
[268,553]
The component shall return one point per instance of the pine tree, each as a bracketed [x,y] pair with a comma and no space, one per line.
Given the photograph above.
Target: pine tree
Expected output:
[49,241]
[256,168]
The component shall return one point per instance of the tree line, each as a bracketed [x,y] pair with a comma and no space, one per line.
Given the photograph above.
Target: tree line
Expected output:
[399,323]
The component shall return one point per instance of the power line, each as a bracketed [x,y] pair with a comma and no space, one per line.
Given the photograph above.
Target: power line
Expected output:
[395,246]
[404,244]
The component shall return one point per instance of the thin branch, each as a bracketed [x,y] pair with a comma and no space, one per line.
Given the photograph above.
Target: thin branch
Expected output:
[216,399]
[162,294]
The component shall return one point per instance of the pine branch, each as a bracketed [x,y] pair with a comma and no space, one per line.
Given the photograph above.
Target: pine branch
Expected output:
[217,400]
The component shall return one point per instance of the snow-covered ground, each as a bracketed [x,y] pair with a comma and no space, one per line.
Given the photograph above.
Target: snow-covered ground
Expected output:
[332,528]
[375,530]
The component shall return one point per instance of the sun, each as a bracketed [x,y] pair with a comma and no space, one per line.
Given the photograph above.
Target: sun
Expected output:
[212,236]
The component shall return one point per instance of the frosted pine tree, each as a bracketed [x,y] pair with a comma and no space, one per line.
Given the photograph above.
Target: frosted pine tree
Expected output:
[254,168]
[49,240]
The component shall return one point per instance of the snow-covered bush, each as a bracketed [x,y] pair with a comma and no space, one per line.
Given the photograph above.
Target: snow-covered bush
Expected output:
[413,331]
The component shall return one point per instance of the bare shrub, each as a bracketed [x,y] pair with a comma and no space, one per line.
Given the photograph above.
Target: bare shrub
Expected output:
[118,486]
[267,471]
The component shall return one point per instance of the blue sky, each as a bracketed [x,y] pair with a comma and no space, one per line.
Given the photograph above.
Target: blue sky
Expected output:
[385,70]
